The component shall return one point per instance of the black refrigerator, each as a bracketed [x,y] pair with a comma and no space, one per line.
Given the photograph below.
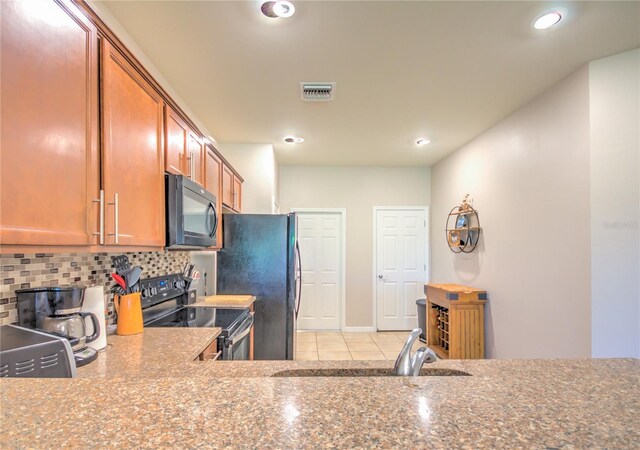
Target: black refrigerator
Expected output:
[260,256]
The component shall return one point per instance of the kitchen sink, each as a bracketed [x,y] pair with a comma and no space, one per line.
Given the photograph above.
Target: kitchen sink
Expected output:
[365,372]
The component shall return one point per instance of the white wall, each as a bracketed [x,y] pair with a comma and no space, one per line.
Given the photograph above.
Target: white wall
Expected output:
[529,176]
[257,164]
[358,189]
[614,87]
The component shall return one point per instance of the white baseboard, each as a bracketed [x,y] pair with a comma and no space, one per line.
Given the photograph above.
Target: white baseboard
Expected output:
[358,330]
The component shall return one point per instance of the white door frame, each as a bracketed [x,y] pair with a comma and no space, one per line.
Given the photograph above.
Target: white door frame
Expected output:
[375,251]
[343,257]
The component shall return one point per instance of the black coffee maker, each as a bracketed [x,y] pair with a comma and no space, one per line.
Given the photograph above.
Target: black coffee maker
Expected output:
[57,310]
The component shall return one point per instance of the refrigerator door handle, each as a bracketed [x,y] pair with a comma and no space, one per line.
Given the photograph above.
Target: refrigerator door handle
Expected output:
[298,278]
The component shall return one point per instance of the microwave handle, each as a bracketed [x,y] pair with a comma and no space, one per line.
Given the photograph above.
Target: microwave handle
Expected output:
[214,226]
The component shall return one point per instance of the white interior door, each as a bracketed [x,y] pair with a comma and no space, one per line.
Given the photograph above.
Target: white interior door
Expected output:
[320,240]
[401,260]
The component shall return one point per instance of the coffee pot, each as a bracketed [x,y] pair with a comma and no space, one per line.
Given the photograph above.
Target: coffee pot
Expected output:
[72,326]
[57,310]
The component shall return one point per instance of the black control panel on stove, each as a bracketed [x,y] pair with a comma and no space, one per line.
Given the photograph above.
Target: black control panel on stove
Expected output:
[157,289]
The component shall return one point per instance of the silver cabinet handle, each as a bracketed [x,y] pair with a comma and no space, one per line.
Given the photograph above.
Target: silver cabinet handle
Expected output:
[101,206]
[190,164]
[380,276]
[115,200]
[115,204]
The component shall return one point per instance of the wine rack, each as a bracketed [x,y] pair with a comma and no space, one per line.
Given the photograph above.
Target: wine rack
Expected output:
[442,323]
[455,320]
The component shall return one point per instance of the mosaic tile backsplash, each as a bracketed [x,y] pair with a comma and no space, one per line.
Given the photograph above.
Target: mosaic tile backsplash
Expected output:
[21,271]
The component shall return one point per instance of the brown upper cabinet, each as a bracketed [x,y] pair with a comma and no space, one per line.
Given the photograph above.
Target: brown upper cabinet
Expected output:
[195,146]
[237,193]
[231,189]
[83,154]
[213,184]
[184,148]
[49,178]
[227,186]
[176,135]
[132,166]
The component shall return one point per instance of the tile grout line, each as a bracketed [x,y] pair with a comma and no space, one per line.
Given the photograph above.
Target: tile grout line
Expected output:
[338,351]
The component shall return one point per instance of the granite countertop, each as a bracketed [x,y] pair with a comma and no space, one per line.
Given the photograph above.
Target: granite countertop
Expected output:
[214,404]
[154,353]
[225,301]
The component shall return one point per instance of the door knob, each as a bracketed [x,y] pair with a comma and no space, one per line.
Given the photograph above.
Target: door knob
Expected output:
[380,276]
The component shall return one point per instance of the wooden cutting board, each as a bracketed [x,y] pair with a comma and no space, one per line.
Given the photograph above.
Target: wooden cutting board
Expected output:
[225,301]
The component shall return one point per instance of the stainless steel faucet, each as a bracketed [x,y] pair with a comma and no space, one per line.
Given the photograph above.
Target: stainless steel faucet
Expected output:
[406,365]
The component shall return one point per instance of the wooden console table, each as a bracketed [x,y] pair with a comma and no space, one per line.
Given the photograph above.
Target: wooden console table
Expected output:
[455,320]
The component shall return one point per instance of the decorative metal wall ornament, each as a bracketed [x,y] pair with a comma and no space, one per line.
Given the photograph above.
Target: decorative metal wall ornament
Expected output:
[463,227]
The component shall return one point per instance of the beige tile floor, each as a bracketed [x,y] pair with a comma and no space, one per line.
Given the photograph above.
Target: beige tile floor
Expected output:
[350,346]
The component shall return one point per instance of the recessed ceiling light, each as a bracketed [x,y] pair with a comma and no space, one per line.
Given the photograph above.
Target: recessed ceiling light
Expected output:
[547,20]
[293,140]
[423,141]
[280,8]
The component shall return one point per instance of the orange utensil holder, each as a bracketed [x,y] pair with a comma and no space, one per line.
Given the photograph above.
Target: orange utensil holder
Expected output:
[129,310]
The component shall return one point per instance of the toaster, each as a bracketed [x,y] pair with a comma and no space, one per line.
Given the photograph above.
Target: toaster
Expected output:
[29,353]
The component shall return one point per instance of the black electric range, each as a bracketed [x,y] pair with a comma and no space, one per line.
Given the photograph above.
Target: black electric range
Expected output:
[165,303]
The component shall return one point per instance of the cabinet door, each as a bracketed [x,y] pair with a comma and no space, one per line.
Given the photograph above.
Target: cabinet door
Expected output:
[237,194]
[132,156]
[213,184]
[49,171]
[196,155]
[176,134]
[213,172]
[227,187]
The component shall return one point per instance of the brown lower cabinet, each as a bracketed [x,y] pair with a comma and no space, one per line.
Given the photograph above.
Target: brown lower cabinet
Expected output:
[49,155]
[211,353]
[132,154]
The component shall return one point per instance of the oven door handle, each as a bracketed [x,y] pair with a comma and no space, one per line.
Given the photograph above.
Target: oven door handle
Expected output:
[234,339]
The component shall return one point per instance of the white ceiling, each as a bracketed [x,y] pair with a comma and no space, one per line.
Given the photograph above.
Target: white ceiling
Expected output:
[445,70]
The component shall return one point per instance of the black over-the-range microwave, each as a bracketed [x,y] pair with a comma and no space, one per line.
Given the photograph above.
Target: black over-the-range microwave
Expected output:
[191,213]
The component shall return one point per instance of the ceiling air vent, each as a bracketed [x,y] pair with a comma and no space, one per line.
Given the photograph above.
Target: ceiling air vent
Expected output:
[317,92]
